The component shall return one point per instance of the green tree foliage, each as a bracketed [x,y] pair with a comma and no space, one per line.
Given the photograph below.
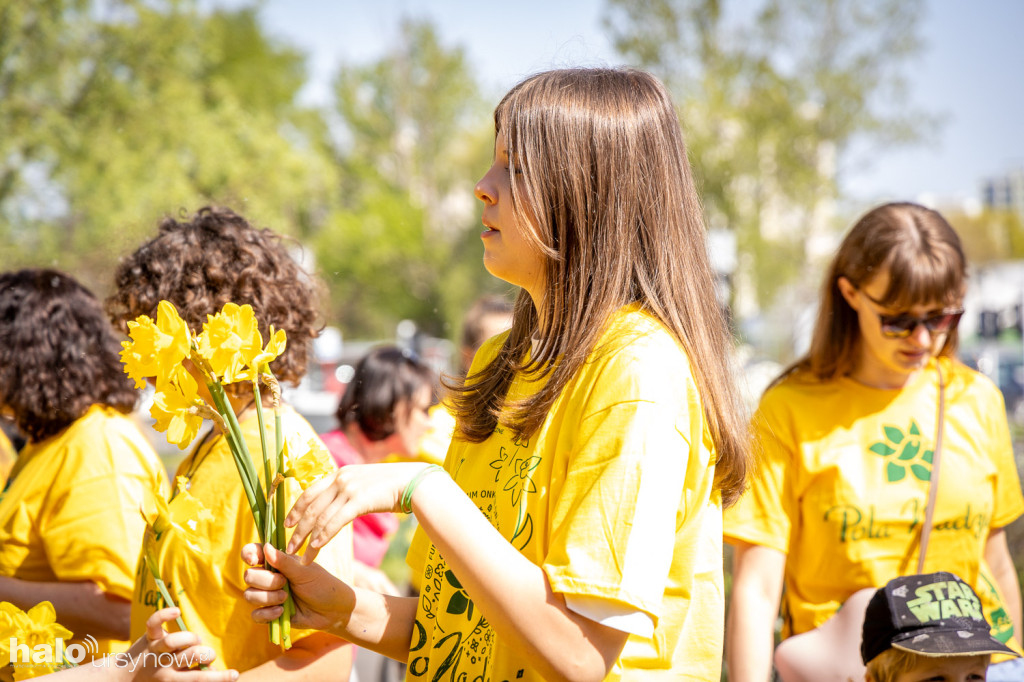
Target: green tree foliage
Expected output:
[118,112]
[415,136]
[990,236]
[772,101]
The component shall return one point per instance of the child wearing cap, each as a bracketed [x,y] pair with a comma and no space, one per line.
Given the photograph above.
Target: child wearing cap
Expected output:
[927,628]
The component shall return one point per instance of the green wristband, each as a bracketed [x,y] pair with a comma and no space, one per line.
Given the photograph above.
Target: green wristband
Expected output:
[411,488]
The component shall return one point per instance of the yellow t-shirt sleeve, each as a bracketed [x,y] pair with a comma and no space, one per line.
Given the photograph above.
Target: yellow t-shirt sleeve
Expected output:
[764,513]
[613,527]
[94,527]
[1009,502]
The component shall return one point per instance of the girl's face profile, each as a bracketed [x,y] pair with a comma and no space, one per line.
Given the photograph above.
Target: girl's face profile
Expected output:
[508,254]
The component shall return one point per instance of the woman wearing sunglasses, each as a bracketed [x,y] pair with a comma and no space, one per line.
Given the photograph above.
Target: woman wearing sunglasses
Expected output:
[848,436]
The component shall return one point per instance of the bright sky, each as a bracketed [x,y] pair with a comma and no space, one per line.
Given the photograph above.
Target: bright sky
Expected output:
[970,72]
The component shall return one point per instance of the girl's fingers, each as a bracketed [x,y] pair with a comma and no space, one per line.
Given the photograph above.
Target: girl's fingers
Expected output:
[331,520]
[252,554]
[262,579]
[309,556]
[155,623]
[267,614]
[306,522]
[307,498]
[257,597]
[172,641]
[194,656]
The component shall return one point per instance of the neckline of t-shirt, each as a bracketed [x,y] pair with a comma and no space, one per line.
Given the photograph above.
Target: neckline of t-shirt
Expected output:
[926,375]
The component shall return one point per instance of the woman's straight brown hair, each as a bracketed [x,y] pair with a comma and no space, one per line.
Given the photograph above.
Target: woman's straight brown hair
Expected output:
[926,264]
[601,177]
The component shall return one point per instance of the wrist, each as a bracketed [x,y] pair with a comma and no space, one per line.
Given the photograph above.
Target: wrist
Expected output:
[410,489]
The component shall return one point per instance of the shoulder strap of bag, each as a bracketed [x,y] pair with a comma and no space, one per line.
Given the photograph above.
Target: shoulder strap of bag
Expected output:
[933,486]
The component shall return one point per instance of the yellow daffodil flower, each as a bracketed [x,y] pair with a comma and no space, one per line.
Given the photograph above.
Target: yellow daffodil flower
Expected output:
[157,347]
[228,338]
[311,466]
[256,362]
[38,626]
[174,408]
[184,515]
[13,621]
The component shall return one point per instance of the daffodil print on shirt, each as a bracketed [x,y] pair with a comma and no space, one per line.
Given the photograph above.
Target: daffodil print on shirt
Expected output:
[843,485]
[612,497]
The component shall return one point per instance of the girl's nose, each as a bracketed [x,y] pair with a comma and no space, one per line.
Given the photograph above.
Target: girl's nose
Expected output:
[483,190]
[921,336]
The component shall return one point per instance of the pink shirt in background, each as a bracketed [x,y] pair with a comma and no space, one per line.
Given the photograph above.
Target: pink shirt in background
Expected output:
[371,533]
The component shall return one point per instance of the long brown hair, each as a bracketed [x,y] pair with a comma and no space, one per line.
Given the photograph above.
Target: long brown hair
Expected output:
[924,259]
[606,187]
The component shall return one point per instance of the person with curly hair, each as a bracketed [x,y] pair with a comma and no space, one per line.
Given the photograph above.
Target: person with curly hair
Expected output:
[70,527]
[198,264]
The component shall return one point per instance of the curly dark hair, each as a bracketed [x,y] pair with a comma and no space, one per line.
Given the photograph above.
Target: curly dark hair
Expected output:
[386,380]
[213,258]
[58,353]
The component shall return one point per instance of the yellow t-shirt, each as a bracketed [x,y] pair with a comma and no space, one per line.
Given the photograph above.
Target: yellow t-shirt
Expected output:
[7,457]
[435,442]
[612,497]
[208,587]
[843,484]
[71,509]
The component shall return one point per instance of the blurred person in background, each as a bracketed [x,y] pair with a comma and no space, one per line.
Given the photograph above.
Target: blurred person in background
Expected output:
[70,525]
[382,414]
[848,435]
[488,316]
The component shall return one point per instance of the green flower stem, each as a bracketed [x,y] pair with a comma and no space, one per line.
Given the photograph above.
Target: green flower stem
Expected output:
[169,601]
[243,460]
[280,540]
[268,528]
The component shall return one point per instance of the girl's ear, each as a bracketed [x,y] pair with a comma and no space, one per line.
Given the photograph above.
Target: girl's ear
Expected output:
[849,292]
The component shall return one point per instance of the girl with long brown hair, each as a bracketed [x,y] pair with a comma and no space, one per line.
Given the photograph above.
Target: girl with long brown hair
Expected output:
[851,439]
[574,531]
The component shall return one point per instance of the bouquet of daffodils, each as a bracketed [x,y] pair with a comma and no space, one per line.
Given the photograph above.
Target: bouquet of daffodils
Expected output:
[230,349]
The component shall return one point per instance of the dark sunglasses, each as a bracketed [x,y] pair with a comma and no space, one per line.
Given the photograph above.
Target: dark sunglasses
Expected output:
[902,325]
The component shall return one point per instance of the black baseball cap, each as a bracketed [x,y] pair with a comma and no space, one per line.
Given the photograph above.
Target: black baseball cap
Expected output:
[935,614]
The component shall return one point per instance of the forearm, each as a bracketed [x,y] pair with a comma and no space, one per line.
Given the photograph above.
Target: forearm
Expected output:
[754,605]
[81,607]
[997,556]
[749,636]
[319,656]
[512,592]
[374,621]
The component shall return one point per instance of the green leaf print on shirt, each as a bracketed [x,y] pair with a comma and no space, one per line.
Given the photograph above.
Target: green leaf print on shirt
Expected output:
[460,601]
[908,445]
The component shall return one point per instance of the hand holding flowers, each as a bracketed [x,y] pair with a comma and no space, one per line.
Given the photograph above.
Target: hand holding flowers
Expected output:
[228,350]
